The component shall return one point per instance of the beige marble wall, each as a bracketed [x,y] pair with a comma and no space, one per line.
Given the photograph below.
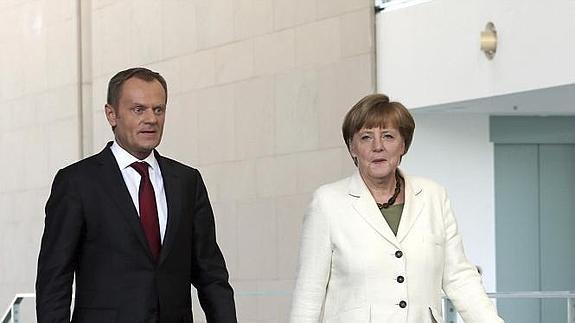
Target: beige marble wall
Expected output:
[38,126]
[257,93]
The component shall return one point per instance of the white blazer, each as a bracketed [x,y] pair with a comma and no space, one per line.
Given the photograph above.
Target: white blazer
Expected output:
[350,261]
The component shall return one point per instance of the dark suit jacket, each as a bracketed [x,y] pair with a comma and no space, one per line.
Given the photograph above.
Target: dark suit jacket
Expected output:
[92,230]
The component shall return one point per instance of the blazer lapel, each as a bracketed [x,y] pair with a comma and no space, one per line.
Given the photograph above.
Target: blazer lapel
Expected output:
[365,205]
[115,186]
[412,208]
[174,194]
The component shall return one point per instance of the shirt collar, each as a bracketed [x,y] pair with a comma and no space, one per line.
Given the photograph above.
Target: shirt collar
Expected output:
[125,159]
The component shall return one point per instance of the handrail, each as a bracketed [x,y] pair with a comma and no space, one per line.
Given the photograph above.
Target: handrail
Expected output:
[12,313]
[396,4]
[450,314]
[536,294]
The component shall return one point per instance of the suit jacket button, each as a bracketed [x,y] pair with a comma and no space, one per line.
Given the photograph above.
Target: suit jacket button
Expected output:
[403,304]
[400,279]
[398,254]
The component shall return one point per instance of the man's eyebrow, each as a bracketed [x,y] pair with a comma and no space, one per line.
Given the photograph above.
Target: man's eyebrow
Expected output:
[163,105]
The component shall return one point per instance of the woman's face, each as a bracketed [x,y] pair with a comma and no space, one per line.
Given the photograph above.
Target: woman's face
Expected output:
[378,151]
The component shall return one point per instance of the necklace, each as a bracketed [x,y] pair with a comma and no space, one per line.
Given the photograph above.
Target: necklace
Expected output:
[395,193]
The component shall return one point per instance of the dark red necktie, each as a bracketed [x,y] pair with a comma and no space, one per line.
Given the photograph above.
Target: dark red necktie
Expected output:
[148,209]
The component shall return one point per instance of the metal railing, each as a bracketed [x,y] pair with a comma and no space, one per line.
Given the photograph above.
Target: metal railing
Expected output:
[450,314]
[12,314]
[395,4]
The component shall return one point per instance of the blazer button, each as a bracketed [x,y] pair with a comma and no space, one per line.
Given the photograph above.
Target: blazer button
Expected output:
[403,304]
[398,254]
[400,279]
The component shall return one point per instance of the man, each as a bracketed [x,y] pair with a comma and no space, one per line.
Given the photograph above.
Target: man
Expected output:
[135,228]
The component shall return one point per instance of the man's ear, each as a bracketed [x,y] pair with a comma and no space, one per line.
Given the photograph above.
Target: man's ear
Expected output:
[111,115]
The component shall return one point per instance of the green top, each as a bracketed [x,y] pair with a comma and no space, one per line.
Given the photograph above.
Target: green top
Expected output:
[392,215]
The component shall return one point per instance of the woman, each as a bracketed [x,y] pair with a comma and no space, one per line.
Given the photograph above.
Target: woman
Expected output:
[380,246]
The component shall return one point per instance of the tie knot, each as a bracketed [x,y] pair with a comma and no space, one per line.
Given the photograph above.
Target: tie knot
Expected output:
[141,168]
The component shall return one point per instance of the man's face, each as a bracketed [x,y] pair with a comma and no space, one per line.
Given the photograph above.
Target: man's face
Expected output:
[139,117]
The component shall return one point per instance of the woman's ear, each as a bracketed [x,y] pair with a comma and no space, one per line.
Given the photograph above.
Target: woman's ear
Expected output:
[352,153]
[404,149]
[351,149]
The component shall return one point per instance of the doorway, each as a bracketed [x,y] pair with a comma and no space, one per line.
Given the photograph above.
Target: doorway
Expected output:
[534,213]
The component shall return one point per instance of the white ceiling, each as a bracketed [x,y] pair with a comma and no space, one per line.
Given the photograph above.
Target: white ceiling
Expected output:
[559,100]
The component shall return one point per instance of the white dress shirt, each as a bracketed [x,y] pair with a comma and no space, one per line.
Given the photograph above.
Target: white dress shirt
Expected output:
[132,180]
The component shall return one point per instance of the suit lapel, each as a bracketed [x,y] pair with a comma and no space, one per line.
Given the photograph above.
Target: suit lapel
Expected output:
[115,186]
[365,206]
[412,208]
[173,189]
